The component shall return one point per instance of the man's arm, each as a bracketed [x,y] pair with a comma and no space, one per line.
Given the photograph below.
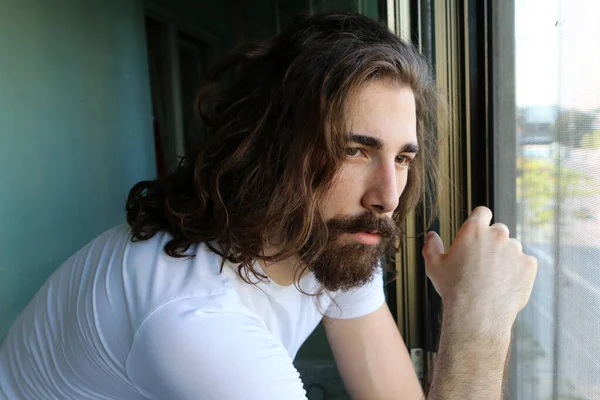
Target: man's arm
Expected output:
[375,364]
[484,281]
[184,353]
[372,358]
[470,364]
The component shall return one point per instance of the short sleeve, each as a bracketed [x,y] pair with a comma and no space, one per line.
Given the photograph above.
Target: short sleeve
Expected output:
[181,352]
[357,302]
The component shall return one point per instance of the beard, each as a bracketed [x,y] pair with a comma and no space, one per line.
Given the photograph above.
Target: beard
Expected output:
[344,264]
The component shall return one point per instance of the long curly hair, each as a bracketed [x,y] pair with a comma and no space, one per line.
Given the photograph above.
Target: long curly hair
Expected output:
[274,116]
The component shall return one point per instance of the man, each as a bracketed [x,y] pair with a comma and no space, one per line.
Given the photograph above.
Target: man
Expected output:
[320,144]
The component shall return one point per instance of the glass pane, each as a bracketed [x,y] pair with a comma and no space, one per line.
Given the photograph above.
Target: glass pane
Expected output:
[557,346]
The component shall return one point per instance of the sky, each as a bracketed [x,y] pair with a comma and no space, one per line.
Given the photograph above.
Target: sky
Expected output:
[558,53]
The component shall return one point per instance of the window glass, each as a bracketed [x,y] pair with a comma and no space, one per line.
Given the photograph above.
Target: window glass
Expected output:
[557,337]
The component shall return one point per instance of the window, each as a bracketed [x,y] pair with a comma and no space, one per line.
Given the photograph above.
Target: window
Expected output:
[556,348]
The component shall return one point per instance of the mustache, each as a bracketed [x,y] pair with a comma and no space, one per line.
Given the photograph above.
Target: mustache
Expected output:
[367,222]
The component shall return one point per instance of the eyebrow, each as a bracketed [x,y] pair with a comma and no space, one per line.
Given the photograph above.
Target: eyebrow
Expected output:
[377,144]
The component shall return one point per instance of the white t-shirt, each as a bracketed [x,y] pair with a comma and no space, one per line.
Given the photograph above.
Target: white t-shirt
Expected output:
[123,320]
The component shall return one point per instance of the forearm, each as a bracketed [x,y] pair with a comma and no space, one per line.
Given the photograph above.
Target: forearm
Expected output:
[469,366]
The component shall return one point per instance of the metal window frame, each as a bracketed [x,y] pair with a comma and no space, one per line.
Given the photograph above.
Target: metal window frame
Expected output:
[457,37]
[416,302]
[503,122]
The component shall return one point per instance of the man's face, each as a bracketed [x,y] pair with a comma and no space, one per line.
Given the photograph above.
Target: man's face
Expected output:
[358,208]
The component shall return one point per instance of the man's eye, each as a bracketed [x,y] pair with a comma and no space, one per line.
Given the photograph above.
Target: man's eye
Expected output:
[352,151]
[403,160]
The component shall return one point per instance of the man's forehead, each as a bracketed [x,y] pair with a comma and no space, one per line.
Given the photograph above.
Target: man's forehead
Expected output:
[383,110]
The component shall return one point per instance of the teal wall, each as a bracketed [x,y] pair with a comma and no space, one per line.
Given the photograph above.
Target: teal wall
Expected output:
[75,122]
[75,132]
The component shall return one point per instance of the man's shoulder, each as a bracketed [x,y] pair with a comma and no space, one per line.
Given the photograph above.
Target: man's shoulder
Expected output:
[152,279]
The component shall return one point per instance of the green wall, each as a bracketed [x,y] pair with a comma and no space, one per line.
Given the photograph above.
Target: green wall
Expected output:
[75,132]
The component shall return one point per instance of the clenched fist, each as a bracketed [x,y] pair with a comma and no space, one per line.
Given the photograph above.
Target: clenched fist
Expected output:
[485,279]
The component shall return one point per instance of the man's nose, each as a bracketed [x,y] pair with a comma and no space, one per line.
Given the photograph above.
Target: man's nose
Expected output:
[383,193]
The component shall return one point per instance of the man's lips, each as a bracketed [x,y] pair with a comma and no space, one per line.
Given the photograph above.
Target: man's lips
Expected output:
[369,238]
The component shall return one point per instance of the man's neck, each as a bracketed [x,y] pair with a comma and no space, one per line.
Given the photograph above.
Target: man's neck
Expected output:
[280,272]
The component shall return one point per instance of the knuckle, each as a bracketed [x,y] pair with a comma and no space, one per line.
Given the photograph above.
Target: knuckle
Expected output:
[531,261]
[471,226]
[517,244]
[500,233]
[499,239]
[482,209]
[480,231]
[501,227]
[504,227]
[469,222]
[482,212]
[487,212]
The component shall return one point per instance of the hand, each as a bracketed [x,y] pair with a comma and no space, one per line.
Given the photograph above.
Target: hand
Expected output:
[485,280]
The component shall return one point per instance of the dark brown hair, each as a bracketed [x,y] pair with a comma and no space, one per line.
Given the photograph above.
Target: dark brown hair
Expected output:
[274,118]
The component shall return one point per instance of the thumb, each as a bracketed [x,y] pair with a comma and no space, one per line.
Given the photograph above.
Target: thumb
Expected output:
[434,247]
